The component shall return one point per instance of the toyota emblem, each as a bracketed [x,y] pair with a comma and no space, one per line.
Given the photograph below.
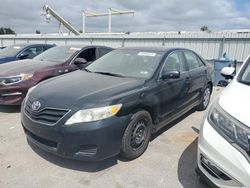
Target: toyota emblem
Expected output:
[36,105]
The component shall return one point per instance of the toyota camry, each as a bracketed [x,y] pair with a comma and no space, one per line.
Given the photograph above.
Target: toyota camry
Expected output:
[115,104]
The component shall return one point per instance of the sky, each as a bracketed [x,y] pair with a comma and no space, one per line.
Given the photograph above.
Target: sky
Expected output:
[156,16]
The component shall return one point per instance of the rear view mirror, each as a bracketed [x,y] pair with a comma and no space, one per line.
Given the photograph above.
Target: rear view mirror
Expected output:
[80,61]
[228,72]
[171,75]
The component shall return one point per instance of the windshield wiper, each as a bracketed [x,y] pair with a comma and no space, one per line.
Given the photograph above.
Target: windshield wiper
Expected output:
[109,74]
[87,70]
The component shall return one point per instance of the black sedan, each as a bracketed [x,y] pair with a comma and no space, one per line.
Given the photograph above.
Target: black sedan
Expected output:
[115,104]
[22,51]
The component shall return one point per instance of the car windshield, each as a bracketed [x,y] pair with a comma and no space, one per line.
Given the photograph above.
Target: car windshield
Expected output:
[57,54]
[10,51]
[127,63]
[245,74]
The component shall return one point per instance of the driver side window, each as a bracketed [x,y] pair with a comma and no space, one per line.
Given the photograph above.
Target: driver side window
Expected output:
[33,51]
[88,54]
[174,62]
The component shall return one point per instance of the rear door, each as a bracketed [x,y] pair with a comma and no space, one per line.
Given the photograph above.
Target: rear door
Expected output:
[197,72]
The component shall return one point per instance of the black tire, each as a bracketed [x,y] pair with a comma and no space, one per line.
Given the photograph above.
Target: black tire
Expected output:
[136,136]
[206,95]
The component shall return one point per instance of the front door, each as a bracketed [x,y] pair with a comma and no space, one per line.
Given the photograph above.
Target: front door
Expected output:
[173,93]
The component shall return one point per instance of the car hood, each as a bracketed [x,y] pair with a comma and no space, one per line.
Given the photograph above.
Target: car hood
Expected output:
[81,89]
[23,66]
[6,59]
[235,101]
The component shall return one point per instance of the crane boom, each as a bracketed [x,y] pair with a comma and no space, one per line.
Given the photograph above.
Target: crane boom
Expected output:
[49,11]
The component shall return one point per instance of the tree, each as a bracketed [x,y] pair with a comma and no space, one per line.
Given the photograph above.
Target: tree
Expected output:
[204,28]
[6,31]
[38,32]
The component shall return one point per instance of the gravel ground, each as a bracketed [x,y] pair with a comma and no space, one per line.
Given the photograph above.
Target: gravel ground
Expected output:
[168,162]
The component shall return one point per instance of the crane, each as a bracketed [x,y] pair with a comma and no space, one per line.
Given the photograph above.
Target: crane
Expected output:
[48,12]
[111,12]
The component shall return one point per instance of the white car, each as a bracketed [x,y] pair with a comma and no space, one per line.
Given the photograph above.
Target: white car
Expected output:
[224,140]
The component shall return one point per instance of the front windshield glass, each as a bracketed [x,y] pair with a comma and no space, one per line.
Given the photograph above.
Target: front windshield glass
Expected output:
[245,74]
[57,54]
[10,51]
[127,63]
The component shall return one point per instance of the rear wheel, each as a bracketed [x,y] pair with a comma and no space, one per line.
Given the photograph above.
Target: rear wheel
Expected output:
[137,135]
[205,98]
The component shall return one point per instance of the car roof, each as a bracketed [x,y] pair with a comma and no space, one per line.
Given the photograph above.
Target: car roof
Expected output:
[152,49]
[84,46]
[29,44]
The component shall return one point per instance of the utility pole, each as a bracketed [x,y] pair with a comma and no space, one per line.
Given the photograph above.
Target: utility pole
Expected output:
[110,13]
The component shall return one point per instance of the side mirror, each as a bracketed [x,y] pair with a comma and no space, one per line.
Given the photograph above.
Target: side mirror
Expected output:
[171,75]
[228,72]
[80,61]
[23,55]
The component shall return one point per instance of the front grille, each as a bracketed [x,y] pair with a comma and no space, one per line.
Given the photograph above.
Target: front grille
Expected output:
[48,116]
[43,141]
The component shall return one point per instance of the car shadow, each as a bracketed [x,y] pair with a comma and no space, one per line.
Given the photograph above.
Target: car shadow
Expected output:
[9,109]
[168,126]
[74,164]
[186,167]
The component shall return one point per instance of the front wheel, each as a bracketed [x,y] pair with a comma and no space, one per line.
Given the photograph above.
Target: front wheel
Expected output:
[205,98]
[137,135]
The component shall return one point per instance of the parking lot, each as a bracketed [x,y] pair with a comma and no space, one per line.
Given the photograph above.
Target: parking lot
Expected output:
[168,162]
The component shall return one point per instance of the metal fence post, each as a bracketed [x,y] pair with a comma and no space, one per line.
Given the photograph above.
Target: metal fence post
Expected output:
[123,41]
[164,41]
[221,49]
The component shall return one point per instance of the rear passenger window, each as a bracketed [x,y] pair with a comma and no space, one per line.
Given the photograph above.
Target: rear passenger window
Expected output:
[192,60]
[174,62]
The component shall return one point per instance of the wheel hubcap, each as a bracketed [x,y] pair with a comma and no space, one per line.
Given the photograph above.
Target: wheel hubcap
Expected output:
[138,134]
[206,97]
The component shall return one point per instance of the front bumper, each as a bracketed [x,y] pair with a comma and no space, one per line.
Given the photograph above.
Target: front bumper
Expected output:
[219,161]
[14,94]
[84,141]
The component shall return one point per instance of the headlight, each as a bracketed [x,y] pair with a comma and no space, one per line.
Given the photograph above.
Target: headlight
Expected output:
[231,129]
[15,79]
[94,114]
